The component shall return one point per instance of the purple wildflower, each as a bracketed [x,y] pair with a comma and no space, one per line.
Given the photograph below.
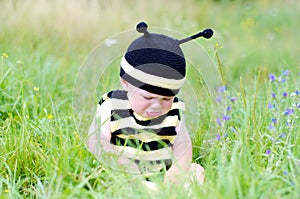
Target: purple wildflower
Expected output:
[274,120]
[284,94]
[297,92]
[218,121]
[271,126]
[268,151]
[285,172]
[288,123]
[233,99]
[272,77]
[218,137]
[270,106]
[294,94]
[283,80]
[273,95]
[226,117]
[229,108]
[285,72]
[282,135]
[222,89]
[219,99]
[289,111]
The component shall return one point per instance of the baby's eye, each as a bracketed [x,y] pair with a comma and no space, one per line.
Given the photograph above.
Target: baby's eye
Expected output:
[167,99]
[147,98]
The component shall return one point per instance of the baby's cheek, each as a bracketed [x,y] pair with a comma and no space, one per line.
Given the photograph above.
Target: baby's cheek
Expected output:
[139,107]
[168,105]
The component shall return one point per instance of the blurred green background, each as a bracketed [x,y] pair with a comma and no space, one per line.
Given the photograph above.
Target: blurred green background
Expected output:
[254,35]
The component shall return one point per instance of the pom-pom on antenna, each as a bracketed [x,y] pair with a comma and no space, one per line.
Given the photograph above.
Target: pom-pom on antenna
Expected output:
[207,34]
[142,28]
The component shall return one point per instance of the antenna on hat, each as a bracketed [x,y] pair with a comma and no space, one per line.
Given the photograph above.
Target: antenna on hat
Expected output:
[142,28]
[207,33]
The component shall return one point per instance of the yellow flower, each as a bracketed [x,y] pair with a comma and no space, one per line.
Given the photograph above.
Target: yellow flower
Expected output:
[6,191]
[20,62]
[248,22]
[50,116]
[36,89]
[4,55]
[217,45]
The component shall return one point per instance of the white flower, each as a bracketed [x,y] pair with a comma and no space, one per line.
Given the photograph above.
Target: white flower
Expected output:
[110,42]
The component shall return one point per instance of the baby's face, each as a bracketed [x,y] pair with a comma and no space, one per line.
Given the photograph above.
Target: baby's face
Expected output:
[147,104]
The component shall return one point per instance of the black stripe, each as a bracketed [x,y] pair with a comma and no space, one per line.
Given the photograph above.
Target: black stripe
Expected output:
[165,131]
[176,99]
[173,112]
[120,114]
[101,101]
[154,121]
[118,94]
[137,144]
[115,94]
[109,95]
[124,113]
[167,162]
[150,56]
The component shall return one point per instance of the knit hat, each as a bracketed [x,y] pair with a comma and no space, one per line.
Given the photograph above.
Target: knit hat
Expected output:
[155,62]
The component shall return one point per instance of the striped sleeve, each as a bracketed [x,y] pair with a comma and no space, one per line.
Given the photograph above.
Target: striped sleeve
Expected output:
[105,97]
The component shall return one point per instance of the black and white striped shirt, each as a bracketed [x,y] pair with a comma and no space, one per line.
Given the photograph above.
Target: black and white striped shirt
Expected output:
[146,141]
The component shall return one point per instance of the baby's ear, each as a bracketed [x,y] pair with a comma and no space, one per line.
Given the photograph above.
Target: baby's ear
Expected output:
[124,84]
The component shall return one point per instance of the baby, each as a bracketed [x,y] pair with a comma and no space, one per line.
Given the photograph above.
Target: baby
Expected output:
[141,128]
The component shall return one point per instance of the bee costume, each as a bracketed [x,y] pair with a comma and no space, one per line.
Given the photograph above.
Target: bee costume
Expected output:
[147,142]
[154,63]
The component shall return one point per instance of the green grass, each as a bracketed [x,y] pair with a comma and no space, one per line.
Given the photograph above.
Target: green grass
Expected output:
[43,44]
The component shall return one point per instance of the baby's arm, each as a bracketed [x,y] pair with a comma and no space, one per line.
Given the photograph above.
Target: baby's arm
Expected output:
[99,143]
[182,152]
[93,140]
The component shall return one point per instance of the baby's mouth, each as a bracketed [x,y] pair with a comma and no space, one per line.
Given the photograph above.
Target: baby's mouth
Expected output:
[153,113]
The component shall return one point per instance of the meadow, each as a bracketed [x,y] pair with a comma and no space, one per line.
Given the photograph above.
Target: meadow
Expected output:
[246,135]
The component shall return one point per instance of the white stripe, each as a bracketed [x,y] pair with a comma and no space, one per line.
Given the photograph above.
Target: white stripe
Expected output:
[124,104]
[151,79]
[178,105]
[120,104]
[131,123]
[147,137]
[160,154]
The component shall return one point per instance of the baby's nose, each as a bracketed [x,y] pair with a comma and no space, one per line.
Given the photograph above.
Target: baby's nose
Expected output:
[156,104]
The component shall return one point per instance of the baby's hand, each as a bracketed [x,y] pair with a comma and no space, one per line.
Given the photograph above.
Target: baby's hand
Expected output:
[128,165]
[171,176]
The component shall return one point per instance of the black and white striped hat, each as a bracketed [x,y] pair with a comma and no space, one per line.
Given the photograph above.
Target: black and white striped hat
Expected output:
[155,62]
